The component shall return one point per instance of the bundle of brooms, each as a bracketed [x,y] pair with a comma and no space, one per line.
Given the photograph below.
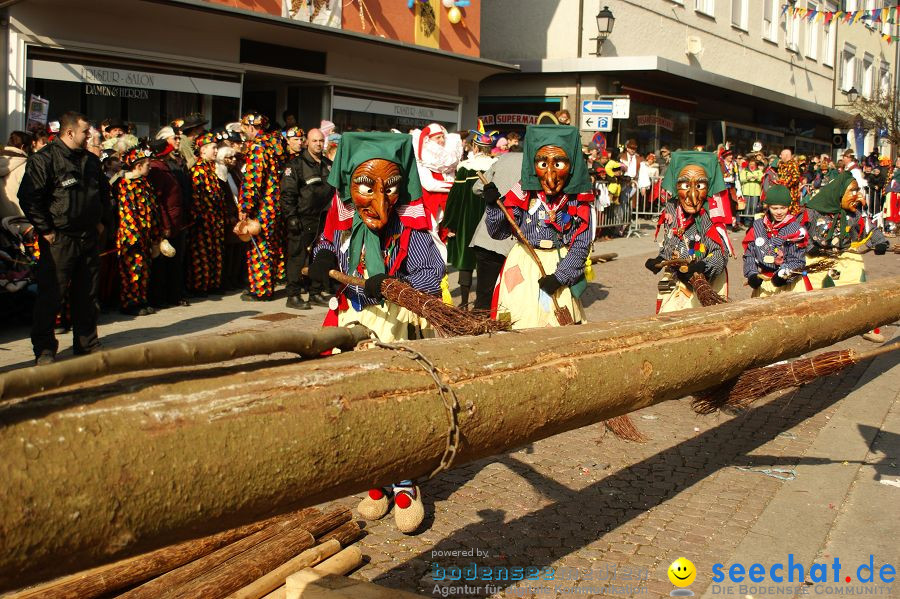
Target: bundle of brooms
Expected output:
[249,562]
[447,320]
[752,385]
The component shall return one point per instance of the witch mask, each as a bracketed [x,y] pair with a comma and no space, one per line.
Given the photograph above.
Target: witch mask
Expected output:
[852,198]
[552,166]
[692,186]
[375,189]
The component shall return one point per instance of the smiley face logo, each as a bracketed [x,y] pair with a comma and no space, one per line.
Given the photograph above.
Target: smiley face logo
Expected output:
[682,572]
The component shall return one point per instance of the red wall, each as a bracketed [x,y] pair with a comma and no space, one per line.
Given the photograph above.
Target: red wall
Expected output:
[272,7]
[393,20]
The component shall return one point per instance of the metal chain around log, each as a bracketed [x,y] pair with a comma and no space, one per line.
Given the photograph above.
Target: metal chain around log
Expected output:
[448,397]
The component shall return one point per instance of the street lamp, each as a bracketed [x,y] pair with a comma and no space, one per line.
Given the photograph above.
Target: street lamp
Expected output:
[605,22]
[852,95]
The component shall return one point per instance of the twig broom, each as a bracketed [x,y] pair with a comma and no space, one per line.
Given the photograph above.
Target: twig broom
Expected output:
[754,384]
[447,320]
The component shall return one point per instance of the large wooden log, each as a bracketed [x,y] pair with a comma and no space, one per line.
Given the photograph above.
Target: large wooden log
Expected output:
[116,468]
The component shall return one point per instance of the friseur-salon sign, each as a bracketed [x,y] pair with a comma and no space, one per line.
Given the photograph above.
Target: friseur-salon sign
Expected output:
[105,76]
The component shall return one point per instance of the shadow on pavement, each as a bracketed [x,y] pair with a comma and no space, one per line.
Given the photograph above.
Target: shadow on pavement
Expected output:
[577,518]
[144,335]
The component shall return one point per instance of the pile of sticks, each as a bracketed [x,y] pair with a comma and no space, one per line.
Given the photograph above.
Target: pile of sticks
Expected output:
[249,562]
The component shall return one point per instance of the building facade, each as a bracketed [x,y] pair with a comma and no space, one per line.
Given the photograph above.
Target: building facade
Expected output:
[147,62]
[697,72]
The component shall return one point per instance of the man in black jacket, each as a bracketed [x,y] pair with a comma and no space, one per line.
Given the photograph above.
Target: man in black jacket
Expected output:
[65,195]
[305,197]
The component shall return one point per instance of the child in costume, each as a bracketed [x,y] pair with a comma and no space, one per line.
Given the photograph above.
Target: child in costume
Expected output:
[774,247]
[138,234]
[207,235]
[377,227]
[692,180]
[553,207]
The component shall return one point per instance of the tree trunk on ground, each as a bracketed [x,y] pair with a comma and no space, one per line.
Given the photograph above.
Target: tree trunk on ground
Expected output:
[130,464]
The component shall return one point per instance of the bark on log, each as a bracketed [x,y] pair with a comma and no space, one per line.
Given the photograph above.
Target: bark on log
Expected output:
[243,569]
[177,353]
[346,534]
[125,467]
[157,587]
[124,573]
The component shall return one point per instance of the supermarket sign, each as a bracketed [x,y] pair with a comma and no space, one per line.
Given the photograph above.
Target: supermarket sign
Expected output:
[509,119]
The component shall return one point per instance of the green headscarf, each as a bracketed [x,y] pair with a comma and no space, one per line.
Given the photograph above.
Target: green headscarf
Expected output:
[828,199]
[708,160]
[356,148]
[353,150]
[566,137]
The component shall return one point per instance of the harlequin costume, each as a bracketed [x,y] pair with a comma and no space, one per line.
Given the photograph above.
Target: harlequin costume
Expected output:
[789,176]
[836,232]
[555,214]
[774,252]
[138,234]
[259,200]
[465,210]
[693,180]
[377,227]
[206,239]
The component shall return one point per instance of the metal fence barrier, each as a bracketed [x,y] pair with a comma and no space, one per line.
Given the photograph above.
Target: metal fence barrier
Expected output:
[637,210]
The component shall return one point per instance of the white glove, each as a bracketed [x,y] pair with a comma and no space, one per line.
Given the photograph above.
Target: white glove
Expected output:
[166,248]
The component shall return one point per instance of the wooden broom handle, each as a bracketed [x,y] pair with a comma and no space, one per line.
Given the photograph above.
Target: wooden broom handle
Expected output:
[516,230]
[524,241]
[339,277]
[860,356]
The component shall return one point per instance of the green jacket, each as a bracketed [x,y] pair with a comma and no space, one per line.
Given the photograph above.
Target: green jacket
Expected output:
[751,182]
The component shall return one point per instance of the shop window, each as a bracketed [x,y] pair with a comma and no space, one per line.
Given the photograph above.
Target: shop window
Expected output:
[740,14]
[706,7]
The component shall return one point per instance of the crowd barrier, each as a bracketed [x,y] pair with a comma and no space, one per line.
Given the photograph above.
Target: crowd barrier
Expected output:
[638,209]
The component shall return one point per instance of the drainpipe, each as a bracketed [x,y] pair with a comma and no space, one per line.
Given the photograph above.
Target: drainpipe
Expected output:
[577,110]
